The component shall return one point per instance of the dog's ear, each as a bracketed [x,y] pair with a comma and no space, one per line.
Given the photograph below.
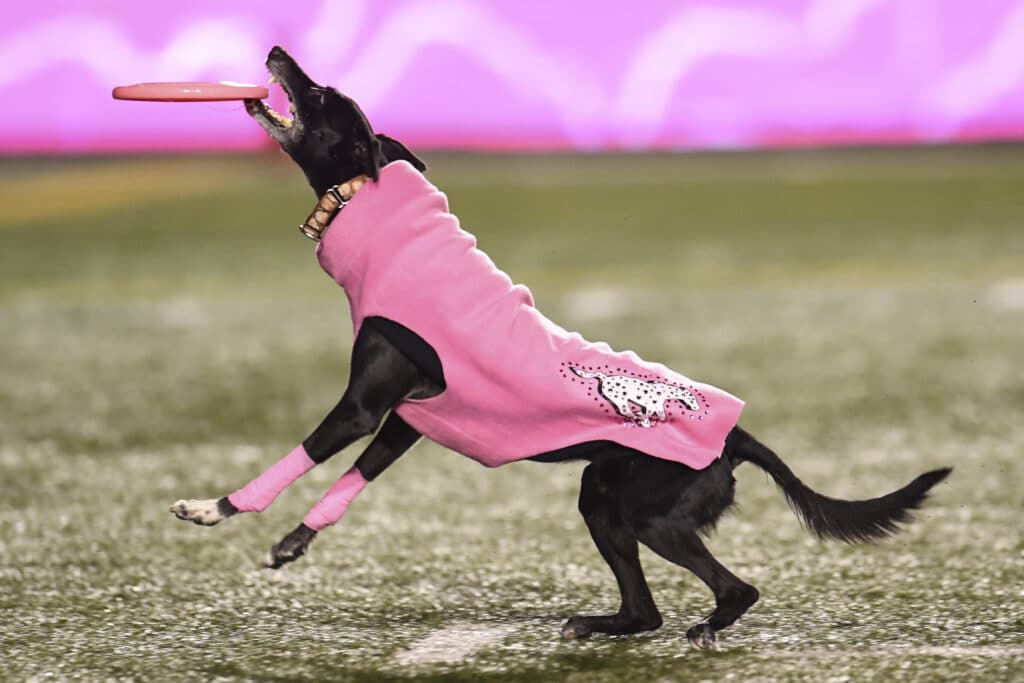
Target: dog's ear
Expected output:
[373,158]
[393,150]
[359,156]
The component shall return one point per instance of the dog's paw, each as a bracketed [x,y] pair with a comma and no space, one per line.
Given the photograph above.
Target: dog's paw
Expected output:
[576,628]
[202,512]
[702,636]
[292,547]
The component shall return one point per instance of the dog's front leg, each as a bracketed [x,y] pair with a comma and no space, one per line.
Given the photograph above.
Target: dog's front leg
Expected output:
[381,377]
[393,439]
[253,497]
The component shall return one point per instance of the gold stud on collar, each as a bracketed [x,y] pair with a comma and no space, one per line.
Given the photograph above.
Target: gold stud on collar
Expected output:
[328,206]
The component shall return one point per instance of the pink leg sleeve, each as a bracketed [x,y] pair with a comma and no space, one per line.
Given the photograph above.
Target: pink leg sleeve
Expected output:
[261,491]
[334,503]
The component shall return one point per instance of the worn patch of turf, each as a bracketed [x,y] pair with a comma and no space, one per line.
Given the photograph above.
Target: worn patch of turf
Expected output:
[172,341]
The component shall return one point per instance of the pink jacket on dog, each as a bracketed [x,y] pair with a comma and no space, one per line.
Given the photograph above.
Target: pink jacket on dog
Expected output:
[517,384]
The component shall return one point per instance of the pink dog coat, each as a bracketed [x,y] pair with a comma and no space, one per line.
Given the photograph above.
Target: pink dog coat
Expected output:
[517,384]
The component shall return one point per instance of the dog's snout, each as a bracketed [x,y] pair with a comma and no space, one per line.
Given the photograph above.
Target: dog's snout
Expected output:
[278,59]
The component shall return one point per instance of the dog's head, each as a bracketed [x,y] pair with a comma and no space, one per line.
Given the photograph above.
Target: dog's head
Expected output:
[329,136]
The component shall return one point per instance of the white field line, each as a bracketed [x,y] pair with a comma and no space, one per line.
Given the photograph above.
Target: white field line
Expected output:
[952,651]
[1007,295]
[453,644]
[600,303]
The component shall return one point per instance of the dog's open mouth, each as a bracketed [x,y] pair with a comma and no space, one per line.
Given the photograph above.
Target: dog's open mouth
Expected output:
[283,121]
[275,123]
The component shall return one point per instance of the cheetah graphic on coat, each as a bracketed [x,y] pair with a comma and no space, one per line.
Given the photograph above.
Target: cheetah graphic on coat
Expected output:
[649,396]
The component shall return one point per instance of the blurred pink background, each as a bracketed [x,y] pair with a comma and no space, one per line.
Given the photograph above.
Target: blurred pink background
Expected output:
[527,75]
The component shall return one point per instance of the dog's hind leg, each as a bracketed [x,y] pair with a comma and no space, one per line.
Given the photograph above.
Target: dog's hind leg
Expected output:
[733,597]
[667,503]
[599,503]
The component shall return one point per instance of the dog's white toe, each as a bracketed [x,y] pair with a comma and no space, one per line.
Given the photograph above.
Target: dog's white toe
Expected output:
[204,512]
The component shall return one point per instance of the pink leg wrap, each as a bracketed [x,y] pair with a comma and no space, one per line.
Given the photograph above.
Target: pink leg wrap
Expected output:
[261,491]
[334,503]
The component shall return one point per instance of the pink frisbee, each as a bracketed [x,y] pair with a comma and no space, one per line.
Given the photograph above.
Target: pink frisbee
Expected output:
[190,91]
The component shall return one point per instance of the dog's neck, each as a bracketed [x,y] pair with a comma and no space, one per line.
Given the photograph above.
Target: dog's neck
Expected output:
[328,206]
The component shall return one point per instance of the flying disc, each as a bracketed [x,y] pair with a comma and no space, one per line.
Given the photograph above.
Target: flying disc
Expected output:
[190,91]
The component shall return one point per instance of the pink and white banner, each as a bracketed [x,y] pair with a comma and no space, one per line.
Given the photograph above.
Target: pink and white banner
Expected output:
[527,74]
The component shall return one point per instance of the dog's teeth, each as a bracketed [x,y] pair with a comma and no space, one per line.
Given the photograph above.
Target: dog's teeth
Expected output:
[272,79]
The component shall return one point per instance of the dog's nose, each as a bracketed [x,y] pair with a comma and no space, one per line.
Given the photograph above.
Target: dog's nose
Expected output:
[278,54]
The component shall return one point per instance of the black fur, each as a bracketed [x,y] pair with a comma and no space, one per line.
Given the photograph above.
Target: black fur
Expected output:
[853,522]
[330,138]
[626,497]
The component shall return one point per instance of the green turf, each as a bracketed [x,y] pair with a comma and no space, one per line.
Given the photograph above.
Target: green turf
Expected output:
[165,332]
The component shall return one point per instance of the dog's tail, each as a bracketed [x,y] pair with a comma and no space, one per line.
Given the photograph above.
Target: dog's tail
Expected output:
[852,521]
[585,374]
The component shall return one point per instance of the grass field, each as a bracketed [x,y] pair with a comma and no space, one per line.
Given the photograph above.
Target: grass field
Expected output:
[165,332]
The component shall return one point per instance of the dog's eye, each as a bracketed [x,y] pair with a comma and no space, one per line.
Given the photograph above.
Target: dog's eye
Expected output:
[322,92]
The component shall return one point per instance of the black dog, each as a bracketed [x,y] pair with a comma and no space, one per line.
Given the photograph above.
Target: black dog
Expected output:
[626,496]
